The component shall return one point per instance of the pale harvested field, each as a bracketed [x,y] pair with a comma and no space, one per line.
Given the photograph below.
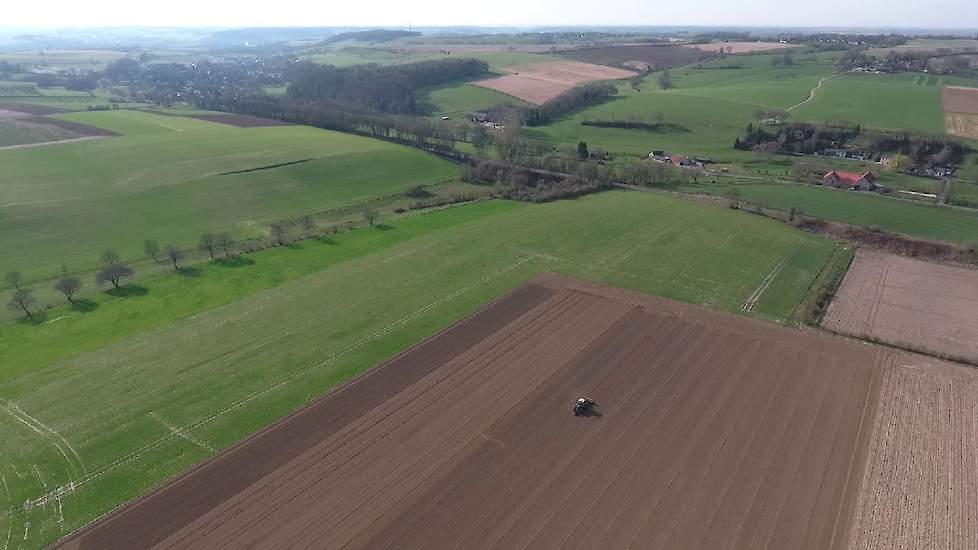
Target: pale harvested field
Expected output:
[920,487]
[909,302]
[742,47]
[964,125]
[476,48]
[540,82]
[958,99]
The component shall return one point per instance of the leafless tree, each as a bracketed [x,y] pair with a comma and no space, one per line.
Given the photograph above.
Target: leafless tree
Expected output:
[22,300]
[280,232]
[109,257]
[308,224]
[175,255]
[14,279]
[152,249]
[370,216]
[226,243]
[68,285]
[113,273]
[208,244]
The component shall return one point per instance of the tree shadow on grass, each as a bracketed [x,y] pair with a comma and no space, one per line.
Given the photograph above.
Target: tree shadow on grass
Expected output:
[128,291]
[85,305]
[326,240]
[191,272]
[383,227]
[235,261]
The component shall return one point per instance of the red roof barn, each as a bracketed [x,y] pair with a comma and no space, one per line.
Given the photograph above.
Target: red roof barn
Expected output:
[850,180]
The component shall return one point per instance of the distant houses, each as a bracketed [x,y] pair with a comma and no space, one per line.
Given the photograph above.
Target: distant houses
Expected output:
[850,180]
[680,161]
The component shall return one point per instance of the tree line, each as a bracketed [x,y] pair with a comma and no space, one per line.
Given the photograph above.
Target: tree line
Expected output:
[383,89]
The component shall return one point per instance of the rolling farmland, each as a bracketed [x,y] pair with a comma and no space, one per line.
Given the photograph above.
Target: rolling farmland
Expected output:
[258,340]
[162,180]
[711,431]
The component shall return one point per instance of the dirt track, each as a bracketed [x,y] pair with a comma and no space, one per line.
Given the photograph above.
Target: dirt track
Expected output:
[927,306]
[712,431]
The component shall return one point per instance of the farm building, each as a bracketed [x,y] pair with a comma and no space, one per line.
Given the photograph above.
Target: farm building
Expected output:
[850,180]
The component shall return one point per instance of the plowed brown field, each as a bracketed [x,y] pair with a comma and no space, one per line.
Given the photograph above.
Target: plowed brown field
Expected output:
[541,82]
[923,305]
[958,99]
[712,431]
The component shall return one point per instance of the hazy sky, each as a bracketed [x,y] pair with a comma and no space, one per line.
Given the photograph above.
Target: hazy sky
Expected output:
[836,13]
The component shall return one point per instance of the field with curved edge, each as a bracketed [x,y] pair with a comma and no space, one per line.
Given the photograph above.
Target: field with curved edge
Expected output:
[142,387]
[162,179]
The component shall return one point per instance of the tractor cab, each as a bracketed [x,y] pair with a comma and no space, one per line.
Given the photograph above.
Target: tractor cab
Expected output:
[583,406]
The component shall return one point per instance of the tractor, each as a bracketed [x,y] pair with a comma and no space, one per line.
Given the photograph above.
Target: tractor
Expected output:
[583,406]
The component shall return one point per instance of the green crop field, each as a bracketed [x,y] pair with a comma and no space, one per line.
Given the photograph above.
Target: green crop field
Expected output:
[137,389]
[458,99]
[17,132]
[65,203]
[52,60]
[893,101]
[889,214]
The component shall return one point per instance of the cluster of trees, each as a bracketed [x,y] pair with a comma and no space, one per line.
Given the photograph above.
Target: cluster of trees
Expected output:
[942,61]
[429,135]
[382,89]
[377,35]
[569,101]
[918,151]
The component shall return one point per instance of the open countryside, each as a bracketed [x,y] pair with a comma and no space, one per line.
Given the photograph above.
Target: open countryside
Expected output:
[677,287]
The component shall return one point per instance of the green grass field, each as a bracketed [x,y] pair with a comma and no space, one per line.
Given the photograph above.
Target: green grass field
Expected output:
[222,354]
[889,214]
[892,101]
[458,99]
[21,132]
[161,180]
[708,106]
[53,60]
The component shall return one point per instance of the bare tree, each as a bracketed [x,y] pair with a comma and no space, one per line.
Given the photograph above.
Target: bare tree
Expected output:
[175,255]
[113,273]
[280,232]
[14,279]
[68,285]
[308,224]
[665,80]
[109,257]
[22,300]
[226,243]
[208,244]
[766,151]
[370,216]
[152,249]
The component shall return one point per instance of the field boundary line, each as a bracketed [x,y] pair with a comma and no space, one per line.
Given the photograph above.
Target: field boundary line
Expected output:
[137,453]
[10,523]
[766,282]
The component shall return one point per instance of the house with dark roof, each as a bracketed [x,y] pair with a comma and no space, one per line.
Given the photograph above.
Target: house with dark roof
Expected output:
[850,180]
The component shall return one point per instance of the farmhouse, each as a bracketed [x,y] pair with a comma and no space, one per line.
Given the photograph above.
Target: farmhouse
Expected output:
[850,180]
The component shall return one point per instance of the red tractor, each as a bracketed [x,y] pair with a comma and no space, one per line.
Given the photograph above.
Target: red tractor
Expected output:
[583,406]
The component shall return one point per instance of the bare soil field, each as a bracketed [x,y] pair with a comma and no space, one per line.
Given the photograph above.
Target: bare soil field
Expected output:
[241,121]
[963,125]
[540,82]
[926,306]
[958,99]
[30,109]
[742,47]
[76,127]
[922,457]
[711,431]
[659,57]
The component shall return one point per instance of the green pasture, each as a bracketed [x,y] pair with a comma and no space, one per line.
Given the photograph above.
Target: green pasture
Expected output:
[866,209]
[53,60]
[458,99]
[65,203]
[220,354]
[891,101]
